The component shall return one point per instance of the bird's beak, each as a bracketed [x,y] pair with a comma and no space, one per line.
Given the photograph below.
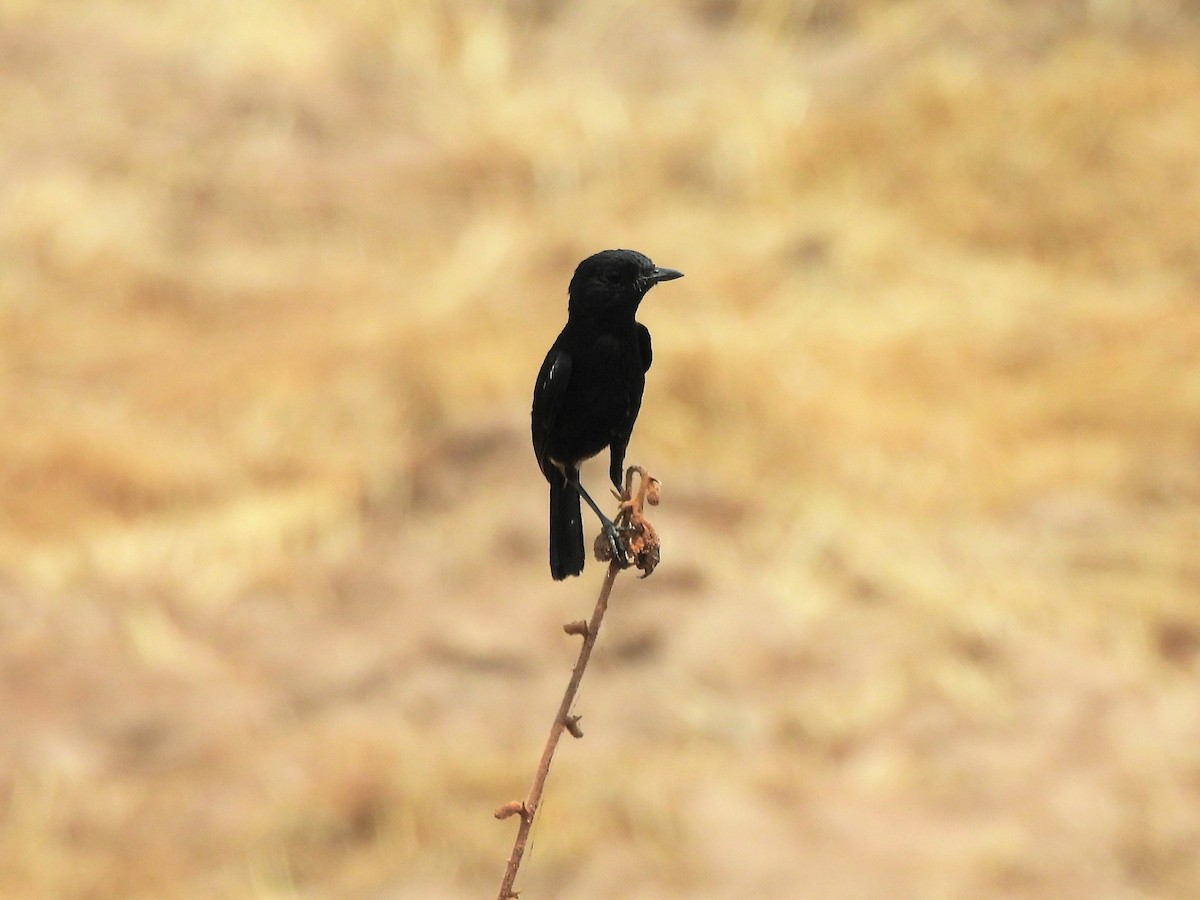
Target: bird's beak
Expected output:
[661,274]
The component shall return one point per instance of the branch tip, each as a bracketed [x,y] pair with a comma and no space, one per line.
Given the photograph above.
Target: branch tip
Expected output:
[653,490]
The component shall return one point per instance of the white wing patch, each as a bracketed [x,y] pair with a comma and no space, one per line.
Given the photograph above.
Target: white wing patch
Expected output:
[555,368]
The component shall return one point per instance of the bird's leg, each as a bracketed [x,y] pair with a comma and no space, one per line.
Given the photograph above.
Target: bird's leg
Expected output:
[610,530]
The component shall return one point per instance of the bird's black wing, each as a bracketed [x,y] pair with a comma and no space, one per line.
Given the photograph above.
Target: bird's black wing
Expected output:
[643,334]
[548,396]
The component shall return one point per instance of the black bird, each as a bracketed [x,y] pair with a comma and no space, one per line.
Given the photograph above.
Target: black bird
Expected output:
[589,391]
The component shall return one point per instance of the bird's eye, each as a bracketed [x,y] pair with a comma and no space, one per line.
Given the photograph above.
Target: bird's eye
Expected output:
[611,276]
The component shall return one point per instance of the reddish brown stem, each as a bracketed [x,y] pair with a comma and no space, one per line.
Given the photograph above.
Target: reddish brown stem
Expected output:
[641,548]
[562,722]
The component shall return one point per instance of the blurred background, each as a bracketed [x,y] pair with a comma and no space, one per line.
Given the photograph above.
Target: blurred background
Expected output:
[275,613]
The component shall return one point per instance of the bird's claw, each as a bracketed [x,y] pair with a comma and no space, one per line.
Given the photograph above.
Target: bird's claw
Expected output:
[618,545]
[610,547]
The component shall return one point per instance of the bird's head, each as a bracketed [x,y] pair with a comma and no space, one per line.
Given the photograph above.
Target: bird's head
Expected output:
[615,280]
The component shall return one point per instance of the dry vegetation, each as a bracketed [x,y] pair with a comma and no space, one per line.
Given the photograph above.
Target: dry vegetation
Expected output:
[275,619]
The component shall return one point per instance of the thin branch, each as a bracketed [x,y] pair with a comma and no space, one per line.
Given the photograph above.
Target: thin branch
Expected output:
[641,543]
[528,808]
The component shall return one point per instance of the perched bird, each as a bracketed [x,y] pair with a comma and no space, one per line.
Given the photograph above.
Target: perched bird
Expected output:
[589,391]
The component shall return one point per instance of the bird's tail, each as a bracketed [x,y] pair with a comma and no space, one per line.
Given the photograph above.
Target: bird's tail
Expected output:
[566,529]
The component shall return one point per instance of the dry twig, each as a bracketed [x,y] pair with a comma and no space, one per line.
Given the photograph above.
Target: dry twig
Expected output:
[641,545]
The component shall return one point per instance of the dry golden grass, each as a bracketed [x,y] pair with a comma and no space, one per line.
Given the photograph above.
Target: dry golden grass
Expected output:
[276,279]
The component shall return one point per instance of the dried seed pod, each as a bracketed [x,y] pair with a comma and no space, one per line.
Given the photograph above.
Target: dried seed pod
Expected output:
[603,548]
[653,491]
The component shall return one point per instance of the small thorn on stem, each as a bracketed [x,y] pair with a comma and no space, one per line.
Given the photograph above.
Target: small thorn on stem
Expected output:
[571,723]
[578,627]
[512,808]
